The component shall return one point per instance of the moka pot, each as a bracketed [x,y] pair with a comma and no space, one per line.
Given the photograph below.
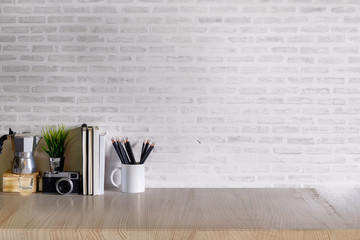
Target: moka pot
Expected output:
[24,146]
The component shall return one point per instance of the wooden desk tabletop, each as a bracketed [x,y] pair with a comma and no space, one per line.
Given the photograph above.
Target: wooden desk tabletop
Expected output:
[185,214]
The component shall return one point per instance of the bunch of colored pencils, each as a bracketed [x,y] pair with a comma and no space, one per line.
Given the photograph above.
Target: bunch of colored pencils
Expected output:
[125,153]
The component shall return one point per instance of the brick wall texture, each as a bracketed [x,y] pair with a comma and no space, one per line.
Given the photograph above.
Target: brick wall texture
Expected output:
[236,93]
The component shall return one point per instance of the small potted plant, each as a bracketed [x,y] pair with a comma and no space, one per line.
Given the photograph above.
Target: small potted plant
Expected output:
[56,140]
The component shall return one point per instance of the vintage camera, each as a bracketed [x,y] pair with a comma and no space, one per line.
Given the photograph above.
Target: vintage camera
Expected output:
[61,182]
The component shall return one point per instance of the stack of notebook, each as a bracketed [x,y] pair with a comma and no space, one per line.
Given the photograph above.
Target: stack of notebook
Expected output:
[93,159]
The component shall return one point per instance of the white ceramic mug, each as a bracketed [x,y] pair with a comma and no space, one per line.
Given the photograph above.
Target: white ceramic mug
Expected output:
[132,178]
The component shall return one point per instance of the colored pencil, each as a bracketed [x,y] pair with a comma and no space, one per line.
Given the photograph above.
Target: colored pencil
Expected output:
[142,150]
[145,149]
[147,153]
[117,150]
[122,151]
[129,151]
[125,153]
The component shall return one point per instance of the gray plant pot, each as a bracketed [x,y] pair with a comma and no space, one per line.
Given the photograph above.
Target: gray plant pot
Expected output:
[56,164]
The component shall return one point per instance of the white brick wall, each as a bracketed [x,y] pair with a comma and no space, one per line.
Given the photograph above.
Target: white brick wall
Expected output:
[237,93]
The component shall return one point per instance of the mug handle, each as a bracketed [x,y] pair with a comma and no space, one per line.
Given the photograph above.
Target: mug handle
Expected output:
[112,177]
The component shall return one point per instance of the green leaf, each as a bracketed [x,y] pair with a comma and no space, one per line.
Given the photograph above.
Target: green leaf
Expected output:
[56,140]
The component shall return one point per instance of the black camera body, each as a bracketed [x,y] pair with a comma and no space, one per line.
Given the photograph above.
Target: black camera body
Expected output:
[61,182]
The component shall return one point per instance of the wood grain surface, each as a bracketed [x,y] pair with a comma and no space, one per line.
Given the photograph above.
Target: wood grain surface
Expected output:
[185,214]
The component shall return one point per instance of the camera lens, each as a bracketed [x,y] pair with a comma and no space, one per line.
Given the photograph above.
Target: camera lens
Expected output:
[64,186]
